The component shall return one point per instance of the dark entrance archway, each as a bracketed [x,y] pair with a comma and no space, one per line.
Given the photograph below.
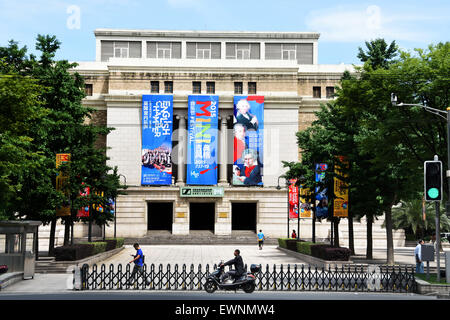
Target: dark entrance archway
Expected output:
[160,216]
[243,216]
[202,215]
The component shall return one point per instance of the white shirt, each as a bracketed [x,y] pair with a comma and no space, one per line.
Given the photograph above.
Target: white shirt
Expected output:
[418,251]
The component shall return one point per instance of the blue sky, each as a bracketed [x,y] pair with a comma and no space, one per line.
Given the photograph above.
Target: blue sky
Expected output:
[343,25]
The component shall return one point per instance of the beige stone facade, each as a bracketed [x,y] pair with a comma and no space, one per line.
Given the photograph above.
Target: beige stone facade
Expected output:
[120,78]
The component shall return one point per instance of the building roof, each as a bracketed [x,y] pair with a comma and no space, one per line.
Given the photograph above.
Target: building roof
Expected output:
[207,34]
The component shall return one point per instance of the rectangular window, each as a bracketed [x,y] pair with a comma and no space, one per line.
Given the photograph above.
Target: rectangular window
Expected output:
[288,52]
[302,52]
[196,87]
[210,87]
[330,92]
[168,86]
[203,50]
[120,49]
[88,89]
[317,92]
[154,86]
[163,50]
[238,88]
[242,51]
[252,88]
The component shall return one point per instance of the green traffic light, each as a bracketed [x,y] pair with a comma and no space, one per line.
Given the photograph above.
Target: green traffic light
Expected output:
[433,193]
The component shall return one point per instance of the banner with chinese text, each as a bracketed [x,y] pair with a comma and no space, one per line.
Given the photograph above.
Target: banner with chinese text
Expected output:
[203,115]
[321,192]
[157,123]
[61,180]
[293,199]
[340,204]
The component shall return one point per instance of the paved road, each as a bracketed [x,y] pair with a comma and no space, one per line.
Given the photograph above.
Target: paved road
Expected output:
[182,254]
[205,254]
[201,295]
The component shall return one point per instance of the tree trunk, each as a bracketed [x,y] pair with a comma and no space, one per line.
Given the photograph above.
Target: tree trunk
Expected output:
[389,236]
[351,239]
[369,250]
[51,242]
[66,230]
[336,232]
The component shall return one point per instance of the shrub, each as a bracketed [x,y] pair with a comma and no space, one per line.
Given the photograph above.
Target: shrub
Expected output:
[330,253]
[114,243]
[282,243]
[73,252]
[111,244]
[99,247]
[120,242]
[291,244]
[304,247]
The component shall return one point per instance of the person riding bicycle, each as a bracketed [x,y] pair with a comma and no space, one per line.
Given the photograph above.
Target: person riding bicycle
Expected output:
[238,265]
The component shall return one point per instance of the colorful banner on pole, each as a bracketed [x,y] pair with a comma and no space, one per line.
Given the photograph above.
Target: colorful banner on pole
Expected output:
[84,212]
[293,199]
[203,115]
[157,122]
[61,180]
[248,129]
[321,192]
[305,205]
[340,204]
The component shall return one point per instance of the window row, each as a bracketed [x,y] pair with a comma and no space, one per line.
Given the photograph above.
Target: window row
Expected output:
[211,88]
[301,52]
[197,87]
[317,92]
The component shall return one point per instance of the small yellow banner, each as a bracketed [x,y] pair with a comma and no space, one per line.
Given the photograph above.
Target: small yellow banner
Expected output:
[61,180]
[305,206]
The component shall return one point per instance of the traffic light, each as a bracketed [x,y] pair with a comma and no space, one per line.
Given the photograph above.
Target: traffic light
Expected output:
[433,180]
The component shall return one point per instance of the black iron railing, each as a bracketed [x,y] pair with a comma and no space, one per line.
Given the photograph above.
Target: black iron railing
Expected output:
[363,278]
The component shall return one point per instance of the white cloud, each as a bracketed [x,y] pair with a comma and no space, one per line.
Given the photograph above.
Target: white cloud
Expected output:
[344,24]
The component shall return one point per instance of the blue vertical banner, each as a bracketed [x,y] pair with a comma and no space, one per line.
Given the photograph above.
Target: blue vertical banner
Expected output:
[157,123]
[248,130]
[321,192]
[203,115]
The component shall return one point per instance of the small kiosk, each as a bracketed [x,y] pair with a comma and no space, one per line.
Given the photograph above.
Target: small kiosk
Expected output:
[18,246]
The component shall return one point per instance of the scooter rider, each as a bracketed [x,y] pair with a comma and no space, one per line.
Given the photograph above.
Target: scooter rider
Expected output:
[238,265]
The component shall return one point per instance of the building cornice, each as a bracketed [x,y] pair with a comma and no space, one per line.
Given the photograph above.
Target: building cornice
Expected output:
[181,101]
[269,35]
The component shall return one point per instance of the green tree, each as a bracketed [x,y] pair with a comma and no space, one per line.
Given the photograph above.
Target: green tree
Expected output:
[409,217]
[379,54]
[63,130]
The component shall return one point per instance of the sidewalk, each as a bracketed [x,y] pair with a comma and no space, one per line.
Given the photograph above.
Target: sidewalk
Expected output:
[194,254]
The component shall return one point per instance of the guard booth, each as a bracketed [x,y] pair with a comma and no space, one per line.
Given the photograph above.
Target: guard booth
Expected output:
[18,246]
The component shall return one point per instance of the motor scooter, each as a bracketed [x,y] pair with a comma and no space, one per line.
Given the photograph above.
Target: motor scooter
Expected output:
[245,282]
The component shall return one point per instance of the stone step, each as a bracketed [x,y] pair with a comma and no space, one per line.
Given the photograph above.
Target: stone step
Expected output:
[198,237]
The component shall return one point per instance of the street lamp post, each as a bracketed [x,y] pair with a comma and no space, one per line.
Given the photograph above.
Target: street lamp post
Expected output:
[445,115]
[279,188]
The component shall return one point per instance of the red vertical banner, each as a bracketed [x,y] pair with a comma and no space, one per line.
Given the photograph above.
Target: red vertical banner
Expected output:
[84,212]
[293,199]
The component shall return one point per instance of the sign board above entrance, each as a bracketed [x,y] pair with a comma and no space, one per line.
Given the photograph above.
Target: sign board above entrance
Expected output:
[199,192]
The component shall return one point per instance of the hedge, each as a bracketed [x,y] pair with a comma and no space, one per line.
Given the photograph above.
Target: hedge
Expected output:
[287,243]
[304,247]
[74,252]
[114,243]
[86,249]
[319,250]
[330,253]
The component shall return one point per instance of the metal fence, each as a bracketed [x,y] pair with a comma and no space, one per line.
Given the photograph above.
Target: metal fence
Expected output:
[358,278]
